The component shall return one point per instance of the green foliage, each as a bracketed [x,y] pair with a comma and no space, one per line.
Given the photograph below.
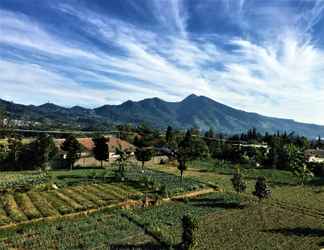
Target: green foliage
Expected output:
[238,183]
[121,163]
[101,149]
[262,191]
[143,155]
[38,154]
[15,146]
[190,149]
[73,150]
[296,163]
[189,228]
[169,135]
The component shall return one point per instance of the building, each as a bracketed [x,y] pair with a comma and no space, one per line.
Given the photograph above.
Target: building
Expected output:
[88,146]
[315,155]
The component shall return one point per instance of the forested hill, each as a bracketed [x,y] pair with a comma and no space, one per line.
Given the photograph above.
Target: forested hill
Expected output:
[193,111]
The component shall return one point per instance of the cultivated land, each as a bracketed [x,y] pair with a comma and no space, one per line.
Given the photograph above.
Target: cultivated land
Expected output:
[90,209]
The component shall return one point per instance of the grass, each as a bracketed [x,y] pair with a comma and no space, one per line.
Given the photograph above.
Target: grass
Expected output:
[291,219]
[278,228]
[93,232]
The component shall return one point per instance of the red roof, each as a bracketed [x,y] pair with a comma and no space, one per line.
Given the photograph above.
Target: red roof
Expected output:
[113,143]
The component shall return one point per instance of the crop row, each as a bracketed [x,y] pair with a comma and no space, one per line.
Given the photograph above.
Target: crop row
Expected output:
[18,207]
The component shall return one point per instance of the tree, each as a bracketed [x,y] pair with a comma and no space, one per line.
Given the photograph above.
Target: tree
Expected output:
[189,228]
[73,150]
[184,152]
[44,151]
[15,147]
[169,135]
[38,153]
[296,162]
[262,191]
[3,118]
[238,183]
[101,149]
[143,155]
[121,162]
[210,134]
[190,149]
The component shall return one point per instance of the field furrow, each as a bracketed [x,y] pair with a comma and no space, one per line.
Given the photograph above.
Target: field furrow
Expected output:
[90,196]
[103,195]
[42,205]
[27,206]
[111,190]
[76,206]
[58,204]
[78,198]
[4,219]
[12,208]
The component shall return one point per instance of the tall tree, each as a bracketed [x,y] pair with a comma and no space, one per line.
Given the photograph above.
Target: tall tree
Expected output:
[44,150]
[101,149]
[73,150]
[184,152]
[121,162]
[169,135]
[15,147]
[143,155]
[296,162]
[190,149]
[38,154]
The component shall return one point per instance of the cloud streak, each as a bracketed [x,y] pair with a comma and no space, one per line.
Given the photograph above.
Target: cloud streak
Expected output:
[244,66]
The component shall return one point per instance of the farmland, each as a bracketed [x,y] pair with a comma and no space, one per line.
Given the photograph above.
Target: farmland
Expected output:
[89,210]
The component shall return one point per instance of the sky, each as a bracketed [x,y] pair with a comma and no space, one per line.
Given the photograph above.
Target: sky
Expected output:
[264,56]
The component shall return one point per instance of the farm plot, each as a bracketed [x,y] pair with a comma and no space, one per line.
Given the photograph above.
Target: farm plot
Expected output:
[19,207]
[93,232]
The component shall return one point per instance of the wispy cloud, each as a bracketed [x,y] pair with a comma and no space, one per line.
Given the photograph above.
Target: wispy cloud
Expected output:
[246,65]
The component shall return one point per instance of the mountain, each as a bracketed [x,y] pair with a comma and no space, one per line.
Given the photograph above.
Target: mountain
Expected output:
[193,111]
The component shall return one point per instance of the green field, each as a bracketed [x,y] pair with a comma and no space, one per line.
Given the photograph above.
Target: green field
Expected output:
[78,215]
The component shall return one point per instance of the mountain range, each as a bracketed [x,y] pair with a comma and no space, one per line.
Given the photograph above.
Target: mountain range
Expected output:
[193,111]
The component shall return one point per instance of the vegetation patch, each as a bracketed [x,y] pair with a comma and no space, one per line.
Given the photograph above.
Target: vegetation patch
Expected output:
[87,204]
[58,204]
[12,208]
[42,204]
[27,206]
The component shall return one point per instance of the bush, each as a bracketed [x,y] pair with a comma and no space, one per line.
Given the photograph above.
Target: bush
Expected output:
[189,225]
[238,182]
[262,190]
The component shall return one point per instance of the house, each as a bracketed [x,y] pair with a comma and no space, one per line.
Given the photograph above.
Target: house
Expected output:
[314,155]
[113,143]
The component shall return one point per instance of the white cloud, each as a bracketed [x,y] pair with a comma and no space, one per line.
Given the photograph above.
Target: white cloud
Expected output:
[278,75]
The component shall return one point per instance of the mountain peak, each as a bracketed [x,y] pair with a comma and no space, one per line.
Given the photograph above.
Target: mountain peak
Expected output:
[49,105]
[191,96]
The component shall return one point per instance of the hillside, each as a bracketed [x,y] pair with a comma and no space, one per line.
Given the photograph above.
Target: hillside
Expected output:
[198,111]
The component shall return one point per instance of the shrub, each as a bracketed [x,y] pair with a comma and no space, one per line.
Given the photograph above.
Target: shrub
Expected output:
[189,225]
[262,190]
[238,182]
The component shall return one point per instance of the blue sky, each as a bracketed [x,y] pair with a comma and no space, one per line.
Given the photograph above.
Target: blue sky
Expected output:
[260,56]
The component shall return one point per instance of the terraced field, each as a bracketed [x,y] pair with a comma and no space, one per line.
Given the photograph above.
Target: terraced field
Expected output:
[20,207]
